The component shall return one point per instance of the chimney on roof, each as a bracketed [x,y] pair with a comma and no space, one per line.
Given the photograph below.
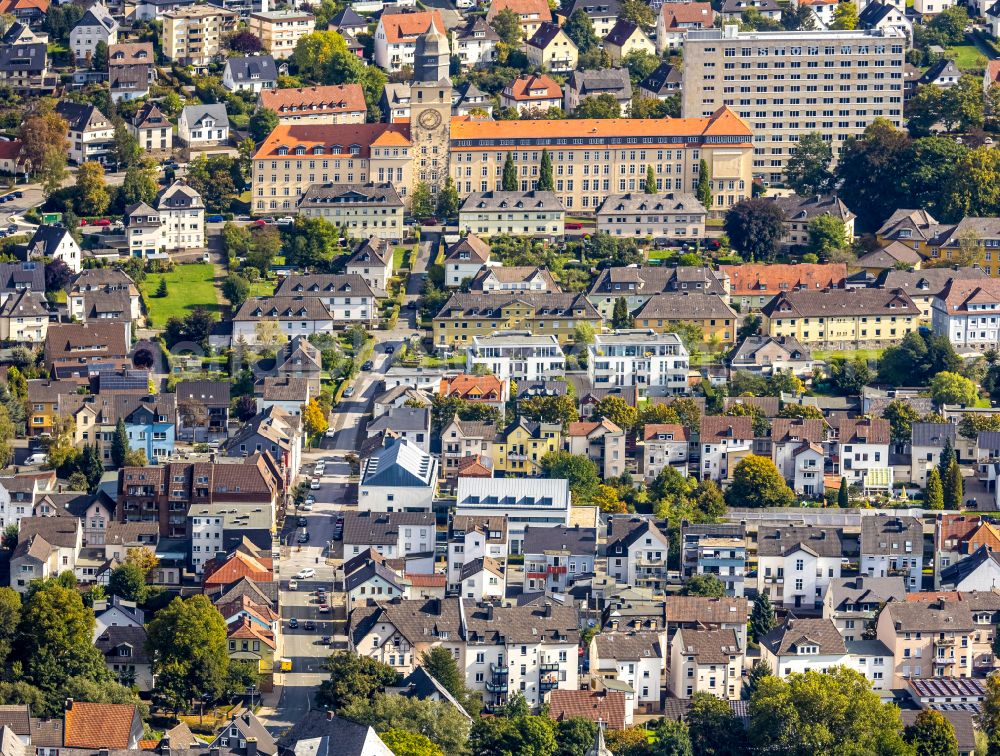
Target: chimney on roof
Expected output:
[69,704]
[489,612]
[251,746]
[547,610]
[329,716]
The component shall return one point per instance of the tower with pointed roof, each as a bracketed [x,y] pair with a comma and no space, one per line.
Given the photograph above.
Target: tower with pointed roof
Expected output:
[430,108]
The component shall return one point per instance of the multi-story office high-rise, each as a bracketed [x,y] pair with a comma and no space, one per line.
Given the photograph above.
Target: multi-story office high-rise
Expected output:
[786,84]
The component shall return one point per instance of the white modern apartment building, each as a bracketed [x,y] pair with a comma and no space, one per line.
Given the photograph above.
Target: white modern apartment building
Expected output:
[786,84]
[517,355]
[966,312]
[656,363]
[539,502]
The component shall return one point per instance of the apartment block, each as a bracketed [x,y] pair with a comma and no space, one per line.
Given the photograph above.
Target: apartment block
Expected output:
[280,30]
[656,363]
[193,36]
[786,84]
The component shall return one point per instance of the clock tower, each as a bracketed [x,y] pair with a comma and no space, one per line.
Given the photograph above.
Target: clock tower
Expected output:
[430,109]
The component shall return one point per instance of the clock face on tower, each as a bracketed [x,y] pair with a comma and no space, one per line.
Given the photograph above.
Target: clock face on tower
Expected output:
[429,119]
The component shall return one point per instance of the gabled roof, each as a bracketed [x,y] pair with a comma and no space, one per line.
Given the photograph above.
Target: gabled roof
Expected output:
[90,725]
[252,68]
[769,280]
[719,428]
[841,303]
[594,82]
[468,249]
[687,15]
[954,574]
[708,646]
[824,542]
[545,34]
[602,706]
[531,87]
[796,633]
[403,28]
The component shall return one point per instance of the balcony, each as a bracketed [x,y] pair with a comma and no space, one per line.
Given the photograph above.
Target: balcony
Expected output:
[556,569]
[496,687]
[944,641]
[498,671]
[515,457]
[547,684]
[943,661]
[547,667]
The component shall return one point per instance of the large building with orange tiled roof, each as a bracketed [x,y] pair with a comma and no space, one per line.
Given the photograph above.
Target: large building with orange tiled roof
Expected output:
[591,158]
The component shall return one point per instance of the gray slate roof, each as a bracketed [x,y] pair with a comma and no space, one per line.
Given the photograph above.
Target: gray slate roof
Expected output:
[575,540]
[827,542]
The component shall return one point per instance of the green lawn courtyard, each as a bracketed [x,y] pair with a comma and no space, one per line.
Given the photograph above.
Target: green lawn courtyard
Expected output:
[188,287]
[968,57]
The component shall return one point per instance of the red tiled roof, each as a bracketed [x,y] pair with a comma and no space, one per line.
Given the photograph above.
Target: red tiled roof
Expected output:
[90,725]
[678,14]
[534,87]
[769,280]
[11,150]
[473,467]
[680,433]
[472,387]
[723,122]
[993,70]
[929,597]
[406,27]
[328,136]
[339,98]
[597,706]
[535,10]
[239,566]
[427,581]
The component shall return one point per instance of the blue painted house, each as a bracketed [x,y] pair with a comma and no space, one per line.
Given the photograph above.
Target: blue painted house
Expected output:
[150,422]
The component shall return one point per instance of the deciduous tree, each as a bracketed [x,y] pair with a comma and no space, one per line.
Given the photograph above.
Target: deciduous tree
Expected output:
[808,167]
[92,192]
[581,472]
[758,483]
[754,227]
[353,677]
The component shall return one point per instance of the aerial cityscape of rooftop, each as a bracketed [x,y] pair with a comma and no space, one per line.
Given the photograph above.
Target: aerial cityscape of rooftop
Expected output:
[499,378]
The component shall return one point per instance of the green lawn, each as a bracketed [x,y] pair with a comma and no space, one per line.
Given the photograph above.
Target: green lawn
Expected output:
[188,287]
[968,57]
[401,257]
[829,354]
[453,361]
[263,288]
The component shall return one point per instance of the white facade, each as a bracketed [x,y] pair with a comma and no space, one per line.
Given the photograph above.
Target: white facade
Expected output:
[472,545]
[517,356]
[206,538]
[662,447]
[715,463]
[96,26]
[694,671]
[655,363]
[643,674]
[975,326]
[931,7]
[69,252]
[799,578]
[196,129]
[537,502]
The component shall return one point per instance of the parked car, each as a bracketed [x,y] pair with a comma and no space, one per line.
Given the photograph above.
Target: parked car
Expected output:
[293,623]
[12,228]
[303,522]
[306,573]
[310,499]
[293,585]
[574,226]
[102,222]
[307,507]
[389,349]
[285,221]
[368,365]
[19,194]
[260,222]
[83,221]
[315,484]
[38,458]
[348,392]
[214,219]
[324,608]
[310,626]
[325,640]
[303,537]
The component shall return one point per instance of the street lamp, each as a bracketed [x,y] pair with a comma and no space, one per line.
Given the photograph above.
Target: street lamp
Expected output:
[251,691]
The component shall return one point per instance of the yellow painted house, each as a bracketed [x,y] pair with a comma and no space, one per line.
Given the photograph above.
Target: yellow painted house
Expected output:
[250,642]
[519,448]
[842,318]
[542,313]
[48,400]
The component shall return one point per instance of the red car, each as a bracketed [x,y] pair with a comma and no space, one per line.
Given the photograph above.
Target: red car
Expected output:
[102,222]
[574,226]
[83,221]
[260,222]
